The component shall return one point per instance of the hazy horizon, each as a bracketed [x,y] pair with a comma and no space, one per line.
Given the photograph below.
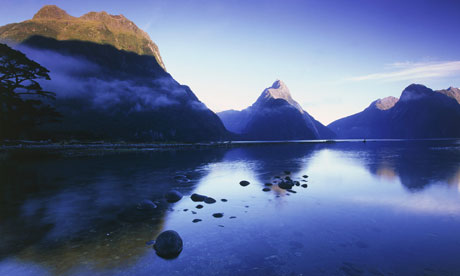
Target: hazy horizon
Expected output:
[336,58]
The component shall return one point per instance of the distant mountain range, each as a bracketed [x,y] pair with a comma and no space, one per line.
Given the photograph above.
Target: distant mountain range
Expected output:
[274,116]
[419,113]
[111,83]
[110,80]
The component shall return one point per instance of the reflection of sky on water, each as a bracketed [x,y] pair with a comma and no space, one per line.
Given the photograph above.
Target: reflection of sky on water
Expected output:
[374,207]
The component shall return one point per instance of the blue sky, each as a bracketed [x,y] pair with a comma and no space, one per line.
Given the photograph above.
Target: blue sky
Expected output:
[335,56]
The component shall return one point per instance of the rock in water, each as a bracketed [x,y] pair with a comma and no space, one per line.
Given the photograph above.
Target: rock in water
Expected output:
[266,189]
[196,220]
[286,185]
[173,196]
[146,204]
[209,200]
[218,215]
[304,185]
[305,176]
[244,183]
[198,197]
[168,244]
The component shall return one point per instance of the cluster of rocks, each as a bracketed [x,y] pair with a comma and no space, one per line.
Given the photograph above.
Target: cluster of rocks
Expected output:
[285,183]
[169,244]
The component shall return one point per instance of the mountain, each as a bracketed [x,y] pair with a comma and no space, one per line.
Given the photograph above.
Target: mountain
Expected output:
[109,81]
[99,27]
[274,116]
[451,92]
[419,113]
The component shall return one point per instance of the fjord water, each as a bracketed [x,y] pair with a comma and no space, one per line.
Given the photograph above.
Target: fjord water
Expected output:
[375,208]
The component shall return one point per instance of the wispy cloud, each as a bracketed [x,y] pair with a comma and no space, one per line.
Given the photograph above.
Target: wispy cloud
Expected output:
[414,71]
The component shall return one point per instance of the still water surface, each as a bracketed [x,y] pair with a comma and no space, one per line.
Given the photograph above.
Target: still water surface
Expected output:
[375,208]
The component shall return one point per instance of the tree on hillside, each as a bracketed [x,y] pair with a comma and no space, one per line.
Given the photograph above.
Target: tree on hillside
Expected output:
[23,102]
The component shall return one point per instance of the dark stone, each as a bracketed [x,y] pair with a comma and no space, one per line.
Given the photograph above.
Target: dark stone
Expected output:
[266,189]
[185,210]
[146,204]
[276,176]
[218,215]
[168,244]
[173,196]
[291,191]
[287,172]
[288,178]
[268,184]
[223,200]
[196,220]
[209,200]
[220,225]
[244,183]
[197,197]
[285,185]
[305,176]
[232,217]
[304,185]
[193,212]
[297,183]
[199,206]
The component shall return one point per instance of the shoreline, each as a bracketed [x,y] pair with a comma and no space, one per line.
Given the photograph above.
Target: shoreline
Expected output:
[77,145]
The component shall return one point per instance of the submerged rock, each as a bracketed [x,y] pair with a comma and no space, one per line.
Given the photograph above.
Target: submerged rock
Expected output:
[223,200]
[209,200]
[199,206]
[297,183]
[266,189]
[304,185]
[305,176]
[287,172]
[173,196]
[146,204]
[268,184]
[218,215]
[168,244]
[181,178]
[244,183]
[291,191]
[196,220]
[232,217]
[198,197]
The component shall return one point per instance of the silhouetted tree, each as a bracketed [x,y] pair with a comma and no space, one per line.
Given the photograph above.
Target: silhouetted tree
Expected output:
[23,102]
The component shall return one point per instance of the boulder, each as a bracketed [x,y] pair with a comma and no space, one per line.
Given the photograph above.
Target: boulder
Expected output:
[173,196]
[198,197]
[168,244]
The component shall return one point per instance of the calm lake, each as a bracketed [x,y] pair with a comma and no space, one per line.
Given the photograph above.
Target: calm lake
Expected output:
[375,208]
